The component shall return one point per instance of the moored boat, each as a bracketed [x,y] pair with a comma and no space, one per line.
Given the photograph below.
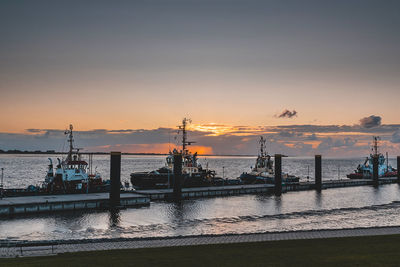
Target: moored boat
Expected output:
[71,175]
[365,170]
[263,171]
[194,175]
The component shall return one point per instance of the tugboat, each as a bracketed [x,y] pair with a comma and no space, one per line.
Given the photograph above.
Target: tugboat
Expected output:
[72,175]
[365,170]
[263,171]
[193,173]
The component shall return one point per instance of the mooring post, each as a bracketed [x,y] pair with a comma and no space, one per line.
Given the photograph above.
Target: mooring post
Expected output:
[115,177]
[398,169]
[318,173]
[375,166]
[2,183]
[177,176]
[278,174]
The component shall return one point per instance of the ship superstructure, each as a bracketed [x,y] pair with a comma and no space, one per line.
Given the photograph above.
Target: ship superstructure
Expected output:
[365,170]
[193,173]
[71,174]
[263,171]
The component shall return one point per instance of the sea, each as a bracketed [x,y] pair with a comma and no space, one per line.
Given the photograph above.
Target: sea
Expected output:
[339,208]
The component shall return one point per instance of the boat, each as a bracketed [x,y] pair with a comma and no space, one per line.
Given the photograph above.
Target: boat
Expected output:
[263,171]
[365,170]
[71,175]
[194,175]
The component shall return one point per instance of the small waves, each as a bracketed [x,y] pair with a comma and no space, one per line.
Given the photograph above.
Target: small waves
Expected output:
[337,218]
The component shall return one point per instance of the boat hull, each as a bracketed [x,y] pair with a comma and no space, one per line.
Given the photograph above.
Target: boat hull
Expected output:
[162,180]
[248,178]
[361,176]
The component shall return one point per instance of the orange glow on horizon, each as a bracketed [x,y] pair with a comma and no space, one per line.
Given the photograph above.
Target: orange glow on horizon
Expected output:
[213,128]
[163,148]
[220,129]
[314,144]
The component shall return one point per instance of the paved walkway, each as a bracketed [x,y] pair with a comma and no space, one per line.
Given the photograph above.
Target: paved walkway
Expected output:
[191,240]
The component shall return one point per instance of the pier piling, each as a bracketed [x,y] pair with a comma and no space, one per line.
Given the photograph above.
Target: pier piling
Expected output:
[177,176]
[318,173]
[398,169]
[115,177]
[375,174]
[278,175]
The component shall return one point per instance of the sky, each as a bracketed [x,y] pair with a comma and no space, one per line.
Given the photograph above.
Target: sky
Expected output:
[311,76]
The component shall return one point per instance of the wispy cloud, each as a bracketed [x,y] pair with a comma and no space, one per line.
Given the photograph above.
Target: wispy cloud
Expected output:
[287,114]
[396,137]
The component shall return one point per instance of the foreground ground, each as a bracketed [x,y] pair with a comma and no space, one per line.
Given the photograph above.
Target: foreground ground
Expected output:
[349,251]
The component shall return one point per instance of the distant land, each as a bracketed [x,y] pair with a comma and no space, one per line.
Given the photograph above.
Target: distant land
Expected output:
[16,151]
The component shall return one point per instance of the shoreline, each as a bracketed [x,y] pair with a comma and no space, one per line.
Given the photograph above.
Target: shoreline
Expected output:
[377,229]
[41,248]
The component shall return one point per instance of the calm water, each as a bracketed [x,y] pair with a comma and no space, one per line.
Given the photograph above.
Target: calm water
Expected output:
[333,208]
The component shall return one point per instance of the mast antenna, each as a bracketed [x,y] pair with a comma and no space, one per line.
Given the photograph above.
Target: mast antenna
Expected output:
[263,146]
[376,144]
[182,128]
[70,141]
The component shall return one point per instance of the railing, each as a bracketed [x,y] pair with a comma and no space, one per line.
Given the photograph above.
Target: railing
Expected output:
[35,247]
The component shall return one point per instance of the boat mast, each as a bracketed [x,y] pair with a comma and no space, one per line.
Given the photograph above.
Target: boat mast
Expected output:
[387,161]
[184,136]
[182,127]
[70,141]
[375,145]
[262,146]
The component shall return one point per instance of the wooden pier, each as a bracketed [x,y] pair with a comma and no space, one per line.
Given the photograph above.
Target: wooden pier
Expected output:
[338,183]
[52,203]
[198,192]
[212,191]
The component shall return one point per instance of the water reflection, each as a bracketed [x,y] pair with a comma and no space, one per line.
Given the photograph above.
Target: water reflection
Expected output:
[278,204]
[177,211]
[318,199]
[332,208]
[114,216]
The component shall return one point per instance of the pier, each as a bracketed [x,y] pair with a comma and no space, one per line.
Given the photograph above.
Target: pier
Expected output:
[231,190]
[212,191]
[53,203]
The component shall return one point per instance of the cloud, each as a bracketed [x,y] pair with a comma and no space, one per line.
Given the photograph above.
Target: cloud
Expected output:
[371,121]
[148,148]
[289,134]
[304,140]
[330,143]
[287,114]
[312,137]
[396,137]
[34,130]
[307,128]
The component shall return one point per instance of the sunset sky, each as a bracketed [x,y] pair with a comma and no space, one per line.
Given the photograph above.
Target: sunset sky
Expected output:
[125,73]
